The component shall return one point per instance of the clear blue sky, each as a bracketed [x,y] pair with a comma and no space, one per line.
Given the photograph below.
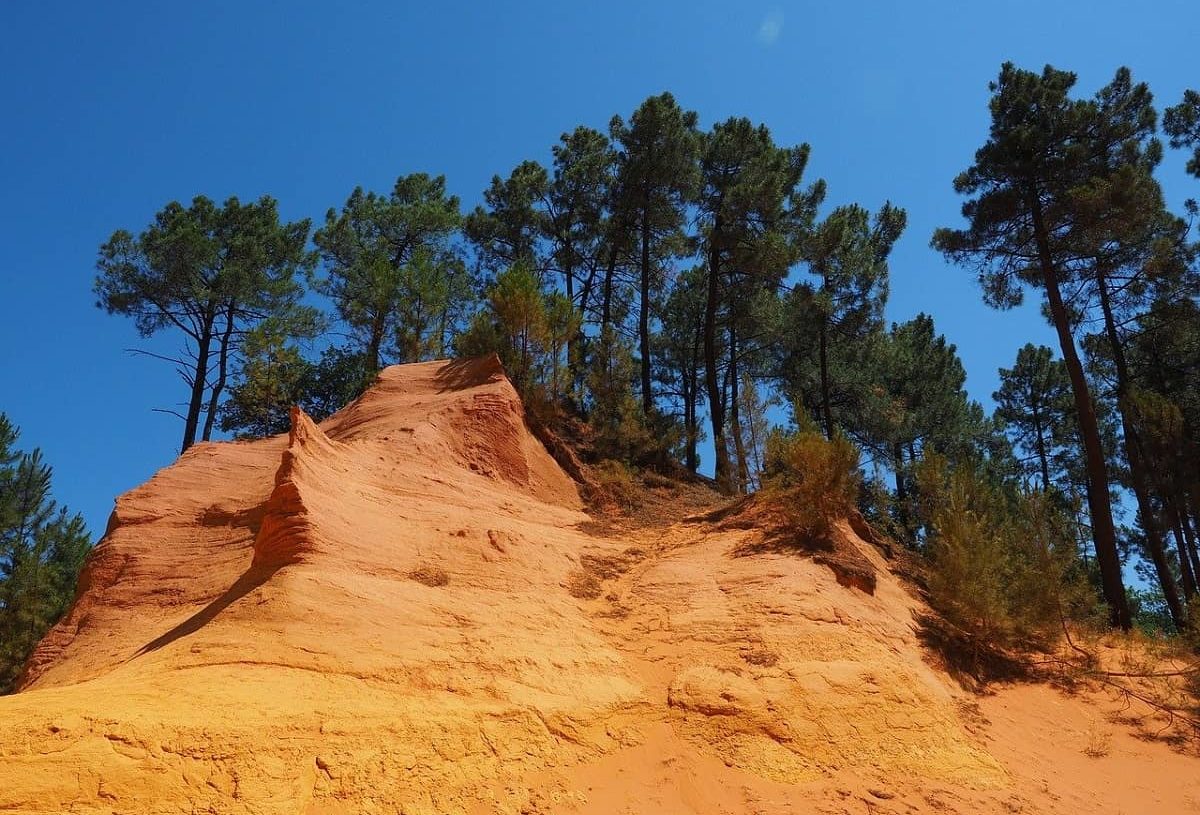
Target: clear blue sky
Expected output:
[109,110]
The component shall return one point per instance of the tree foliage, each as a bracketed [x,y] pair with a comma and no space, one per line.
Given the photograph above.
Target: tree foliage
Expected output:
[656,177]
[832,318]
[391,268]
[1182,124]
[1003,563]
[1034,185]
[214,274]
[1036,409]
[750,207]
[42,548]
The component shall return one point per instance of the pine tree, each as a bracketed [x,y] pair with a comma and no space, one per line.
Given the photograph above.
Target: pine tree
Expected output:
[1164,353]
[1002,559]
[830,320]
[514,324]
[750,208]
[42,548]
[1035,406]
[563,322]
[1133,247]
[507,229]
[389,262]
[273,378]
[680,356]
[576,223]
[614,414]
[1182,124]
[435,294]
[918,405]
[756,427]
[214,274]
[1040,152]
[656,177]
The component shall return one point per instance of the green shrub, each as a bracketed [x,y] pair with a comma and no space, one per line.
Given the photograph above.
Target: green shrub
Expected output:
[1002,559]
[814,480]
[614,413]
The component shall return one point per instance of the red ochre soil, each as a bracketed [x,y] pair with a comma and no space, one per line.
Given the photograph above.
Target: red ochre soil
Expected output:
[407,609]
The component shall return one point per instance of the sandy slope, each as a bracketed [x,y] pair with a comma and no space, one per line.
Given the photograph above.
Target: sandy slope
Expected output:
[407,610]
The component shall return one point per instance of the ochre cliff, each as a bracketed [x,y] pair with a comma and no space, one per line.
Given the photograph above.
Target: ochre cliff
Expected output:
[406,609]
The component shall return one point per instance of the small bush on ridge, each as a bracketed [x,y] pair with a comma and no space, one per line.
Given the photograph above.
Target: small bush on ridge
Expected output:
[815,480]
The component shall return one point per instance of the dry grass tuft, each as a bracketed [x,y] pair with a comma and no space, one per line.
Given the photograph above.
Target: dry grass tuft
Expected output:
[760,657]
[1099,741]
[615,484]
[433,576]
[584,585]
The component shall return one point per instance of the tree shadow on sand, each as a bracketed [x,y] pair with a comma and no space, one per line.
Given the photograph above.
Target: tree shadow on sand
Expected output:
[248,582]
[460,374]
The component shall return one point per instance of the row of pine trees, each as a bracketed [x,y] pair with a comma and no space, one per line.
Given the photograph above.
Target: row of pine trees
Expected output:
[681,287]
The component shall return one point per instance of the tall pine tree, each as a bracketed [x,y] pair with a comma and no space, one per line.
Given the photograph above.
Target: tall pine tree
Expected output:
[656,177]
[212,273]
[391,267]
[1020,233]
[750,208]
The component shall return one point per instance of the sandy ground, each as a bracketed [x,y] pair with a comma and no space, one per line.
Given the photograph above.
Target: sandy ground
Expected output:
[406,609]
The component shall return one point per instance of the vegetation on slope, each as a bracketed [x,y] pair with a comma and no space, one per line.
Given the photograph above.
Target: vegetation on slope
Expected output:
[679,286]
[42,547]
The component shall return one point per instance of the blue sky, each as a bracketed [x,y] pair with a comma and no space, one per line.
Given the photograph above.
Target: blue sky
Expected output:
[110,110]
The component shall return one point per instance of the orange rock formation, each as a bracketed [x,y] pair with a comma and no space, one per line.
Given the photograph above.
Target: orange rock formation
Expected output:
[406,609]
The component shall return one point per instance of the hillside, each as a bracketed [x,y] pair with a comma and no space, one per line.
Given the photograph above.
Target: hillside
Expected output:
[407,608]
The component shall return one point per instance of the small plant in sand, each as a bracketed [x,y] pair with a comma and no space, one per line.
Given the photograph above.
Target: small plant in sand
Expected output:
[1099,740]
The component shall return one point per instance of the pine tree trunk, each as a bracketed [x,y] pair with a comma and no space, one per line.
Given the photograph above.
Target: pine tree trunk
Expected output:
[735,415]
[585,294]
[200,381]
[693,373]
[443,324]
[826,412]
[644,318]
[1137,465]
[823,348]
[901,485]
[1104,535]
[606,302]
[1189,536]
[716,407]
[218,387]
[687,382]
[1043,457]
[1185,563]
[572,344]
[524,359]
[754,424]
[378,324]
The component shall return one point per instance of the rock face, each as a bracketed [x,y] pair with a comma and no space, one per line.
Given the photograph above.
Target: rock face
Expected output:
[403,610]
